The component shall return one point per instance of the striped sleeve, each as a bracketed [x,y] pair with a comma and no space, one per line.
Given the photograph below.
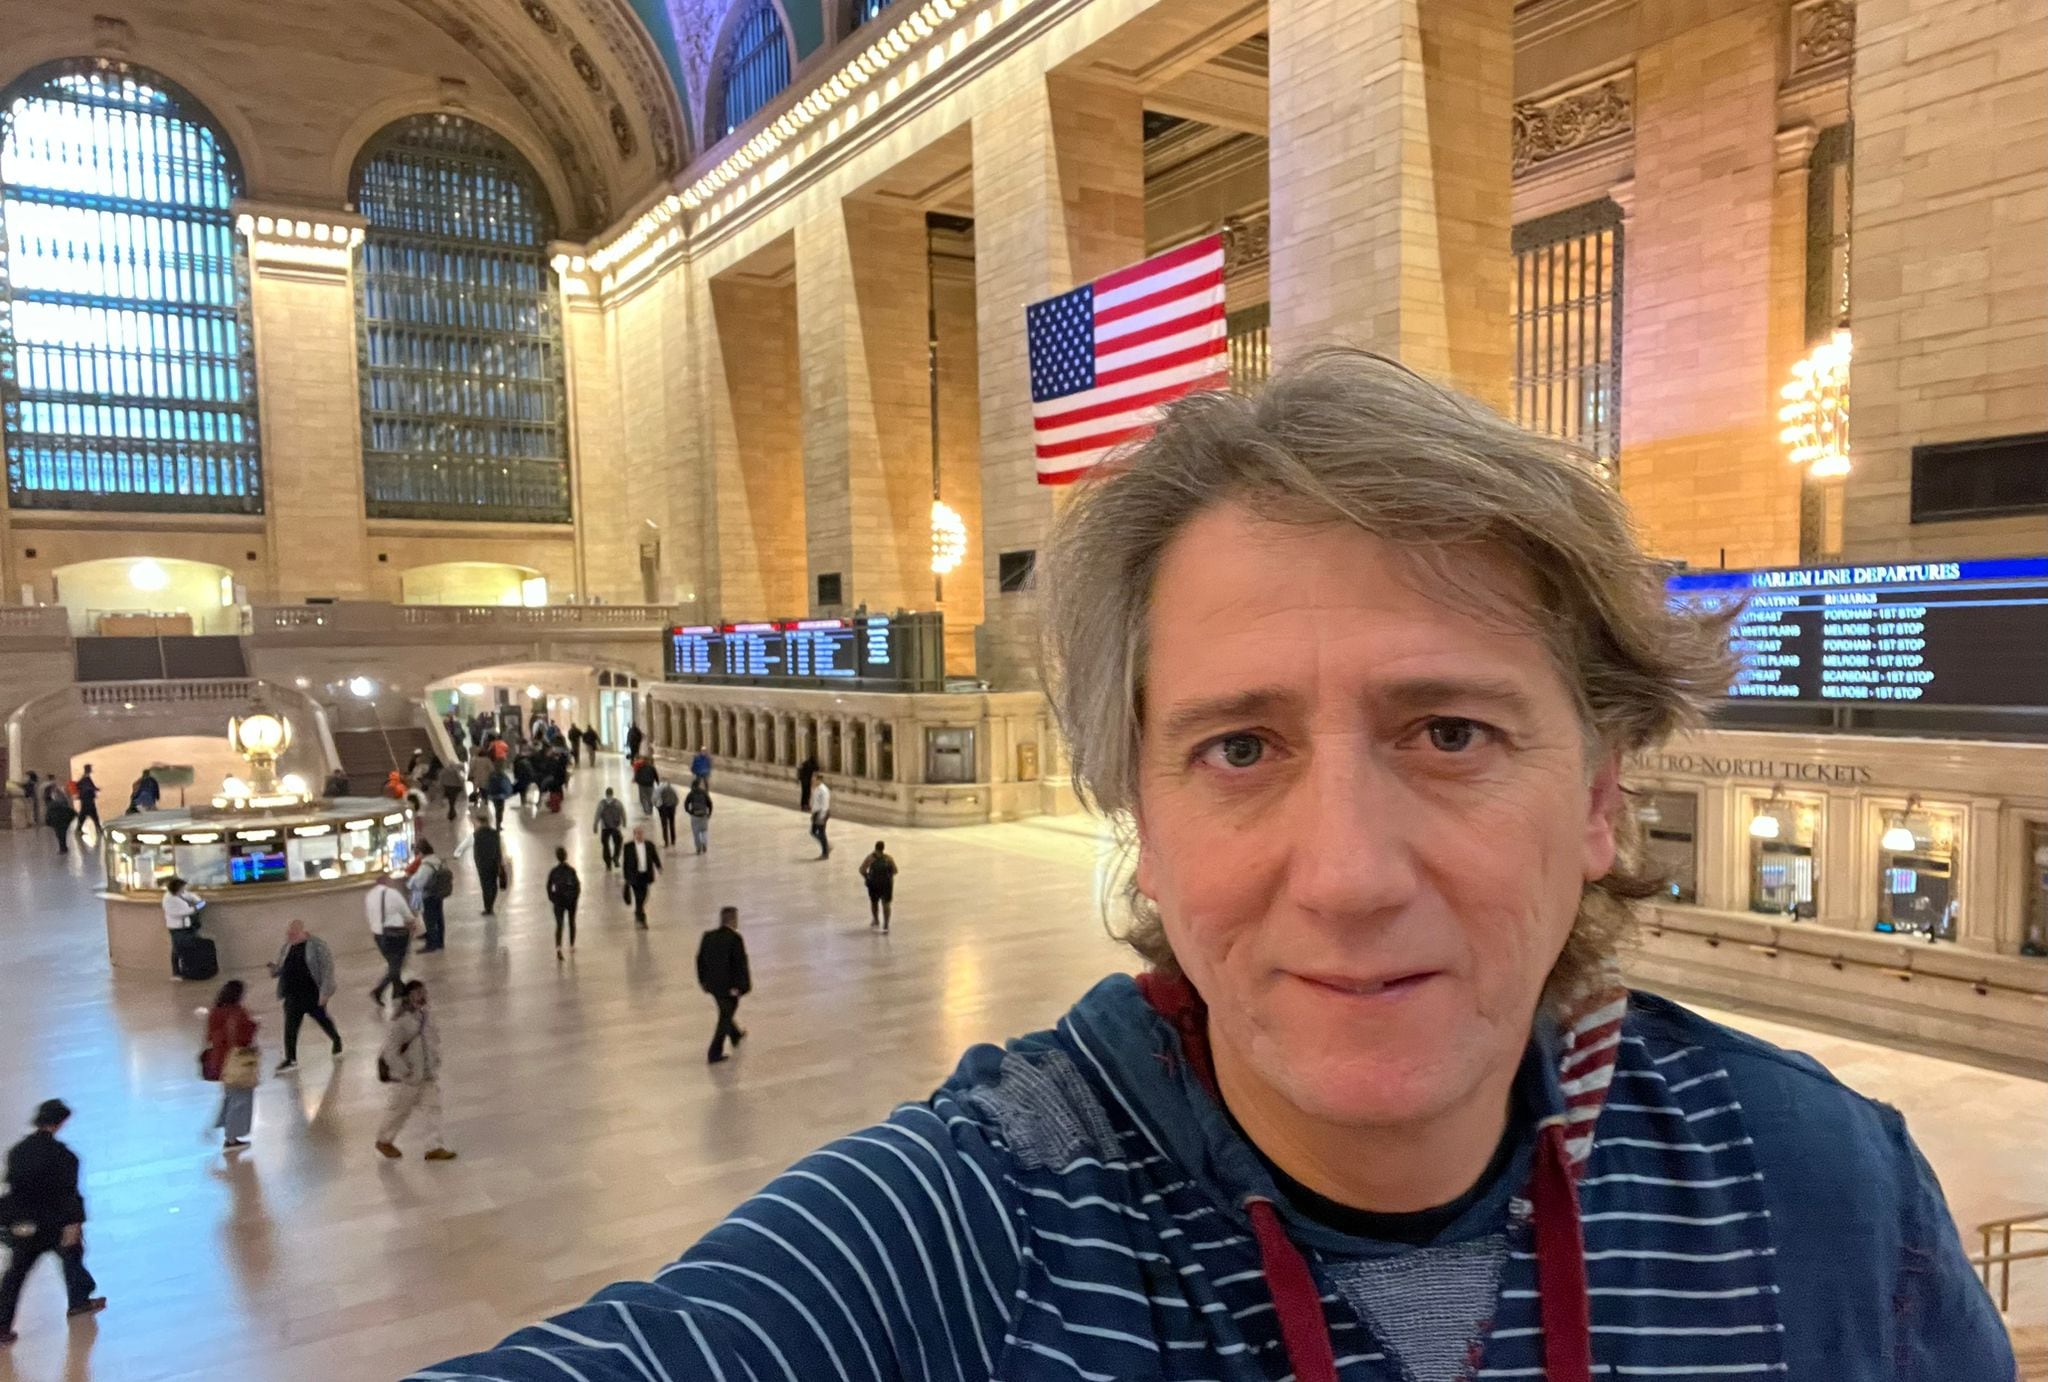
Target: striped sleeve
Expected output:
[888,1256]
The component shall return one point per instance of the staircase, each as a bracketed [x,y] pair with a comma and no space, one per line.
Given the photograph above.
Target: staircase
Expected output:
[371,740]
[184,658]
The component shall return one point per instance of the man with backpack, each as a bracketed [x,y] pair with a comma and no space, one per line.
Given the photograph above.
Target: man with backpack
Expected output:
[610,827]
[665,803]
[697,806]
[433,883]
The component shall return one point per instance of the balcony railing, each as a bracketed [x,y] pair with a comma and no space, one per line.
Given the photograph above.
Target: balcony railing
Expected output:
[135,695]
[371,617]
[1999,1253]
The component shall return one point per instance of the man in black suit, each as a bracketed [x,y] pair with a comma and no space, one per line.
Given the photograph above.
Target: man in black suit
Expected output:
[722,972]
[641,861]
[43,1212]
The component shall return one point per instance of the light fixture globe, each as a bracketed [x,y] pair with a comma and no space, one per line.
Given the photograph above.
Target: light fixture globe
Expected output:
[1764,827]
[1899,838]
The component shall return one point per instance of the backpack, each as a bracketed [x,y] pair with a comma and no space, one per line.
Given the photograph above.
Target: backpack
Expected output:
[442,884]
[612,812]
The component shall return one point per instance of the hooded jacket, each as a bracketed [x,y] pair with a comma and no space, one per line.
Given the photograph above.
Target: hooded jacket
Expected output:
[1681,1201]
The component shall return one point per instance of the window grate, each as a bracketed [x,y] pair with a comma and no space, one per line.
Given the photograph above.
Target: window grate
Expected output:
[1568,327]
[460,333]
[1251,351]
[127,379]
[756,64]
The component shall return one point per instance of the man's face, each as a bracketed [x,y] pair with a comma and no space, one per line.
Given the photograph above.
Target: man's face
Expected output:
[1365,816]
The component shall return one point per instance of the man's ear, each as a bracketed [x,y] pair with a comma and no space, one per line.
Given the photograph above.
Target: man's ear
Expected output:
[1604,804]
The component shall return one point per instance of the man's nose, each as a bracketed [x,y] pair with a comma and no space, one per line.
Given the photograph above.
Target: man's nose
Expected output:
[1354,833]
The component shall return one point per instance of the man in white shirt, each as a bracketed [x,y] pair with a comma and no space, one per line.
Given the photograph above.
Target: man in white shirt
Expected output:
[392,921]
[821,812]
[181,919]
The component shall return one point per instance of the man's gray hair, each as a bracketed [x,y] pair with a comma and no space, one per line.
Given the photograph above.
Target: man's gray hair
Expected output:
[1342,436]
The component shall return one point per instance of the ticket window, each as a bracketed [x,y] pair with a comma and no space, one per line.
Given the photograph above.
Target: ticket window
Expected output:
[1784,874]
[2034,916]
[1917,859]
[1670,828]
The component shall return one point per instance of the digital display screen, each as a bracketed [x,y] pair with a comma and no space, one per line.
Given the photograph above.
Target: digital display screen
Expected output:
[257,865]
[869,653]
[1971,633]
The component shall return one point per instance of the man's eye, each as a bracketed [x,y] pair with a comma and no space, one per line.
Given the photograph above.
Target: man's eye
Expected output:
[1238,750]
[1449,734]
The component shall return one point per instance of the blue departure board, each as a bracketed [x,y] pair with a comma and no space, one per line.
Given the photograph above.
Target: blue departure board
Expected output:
[865,653]
[1969,633]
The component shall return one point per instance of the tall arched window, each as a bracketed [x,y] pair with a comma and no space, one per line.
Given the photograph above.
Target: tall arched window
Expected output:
[126,375]
[756,63]
[461,333]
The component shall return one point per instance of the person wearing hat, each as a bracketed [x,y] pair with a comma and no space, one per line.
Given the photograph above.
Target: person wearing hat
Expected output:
[42,1212]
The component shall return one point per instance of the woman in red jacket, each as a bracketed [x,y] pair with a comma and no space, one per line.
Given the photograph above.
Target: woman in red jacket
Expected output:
[231,1059]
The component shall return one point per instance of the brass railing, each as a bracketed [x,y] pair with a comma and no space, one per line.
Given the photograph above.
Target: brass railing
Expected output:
[1999,1254]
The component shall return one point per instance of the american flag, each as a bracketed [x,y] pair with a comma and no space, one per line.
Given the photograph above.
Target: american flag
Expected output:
[1106,357]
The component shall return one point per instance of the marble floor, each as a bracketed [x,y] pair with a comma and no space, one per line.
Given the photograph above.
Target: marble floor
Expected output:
[594,1141]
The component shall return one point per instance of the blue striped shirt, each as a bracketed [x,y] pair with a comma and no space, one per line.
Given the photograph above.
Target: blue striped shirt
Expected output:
[1071,1207]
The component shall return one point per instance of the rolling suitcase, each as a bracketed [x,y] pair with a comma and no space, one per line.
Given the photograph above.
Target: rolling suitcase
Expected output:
[554,801]
[198,959]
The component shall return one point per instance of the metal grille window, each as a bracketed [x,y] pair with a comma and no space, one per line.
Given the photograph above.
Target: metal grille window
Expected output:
[1251,351]
[126,375]
[756,64]
[1568,327]
[1828,191]
[460,329]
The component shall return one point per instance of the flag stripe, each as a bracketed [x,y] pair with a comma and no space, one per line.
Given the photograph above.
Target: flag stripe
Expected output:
[1217,348]
[1094,441]
[1049,427]
[1183,377]
[1209,246]
[1145,334]
[1178,292]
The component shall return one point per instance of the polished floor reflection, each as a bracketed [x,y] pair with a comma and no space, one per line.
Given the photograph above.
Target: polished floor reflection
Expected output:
[594,1141]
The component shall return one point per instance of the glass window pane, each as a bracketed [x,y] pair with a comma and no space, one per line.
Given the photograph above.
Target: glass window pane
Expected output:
[756,64]
[464,401]
[1670,825]
[124,331]
[1567,327]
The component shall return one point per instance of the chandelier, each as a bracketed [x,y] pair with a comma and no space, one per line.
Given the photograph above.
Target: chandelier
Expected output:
[1816,411]
[949,538]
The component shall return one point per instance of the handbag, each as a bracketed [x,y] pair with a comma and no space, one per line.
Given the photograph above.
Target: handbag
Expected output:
[243,1068]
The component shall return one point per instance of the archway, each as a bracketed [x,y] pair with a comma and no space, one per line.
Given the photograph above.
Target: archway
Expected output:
[473,583]
[140,596]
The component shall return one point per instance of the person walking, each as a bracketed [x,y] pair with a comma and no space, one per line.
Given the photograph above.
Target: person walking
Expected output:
[336,785]
[633,740]
[645,776]
[665,803]
[700,765]
[411,1064]
[641,861]
[697,806]
[58,815]
[392,921]
[181,920]
[821,815]
[41,1212]
[878,871]
[433,883]
[498,790]
[232,1061]
[590,741]
[32,792]
[806,774]
[493,870]
[305,981]
[146,792]
[88,804]
[610,827]
[564,888]
[573,736]
[453,783]
[723,973]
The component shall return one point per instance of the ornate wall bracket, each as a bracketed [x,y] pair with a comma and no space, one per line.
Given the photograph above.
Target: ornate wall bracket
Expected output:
[1573,120]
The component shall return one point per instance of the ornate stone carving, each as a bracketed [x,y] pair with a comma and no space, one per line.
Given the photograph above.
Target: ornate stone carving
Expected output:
[543,16]
[622,131]
[1823,31]
[110,35]
[1247,241]
[585,67]
[696,25]
[1573,119]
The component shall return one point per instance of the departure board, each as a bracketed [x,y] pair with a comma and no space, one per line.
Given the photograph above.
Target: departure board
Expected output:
[904,652]
[1969,633]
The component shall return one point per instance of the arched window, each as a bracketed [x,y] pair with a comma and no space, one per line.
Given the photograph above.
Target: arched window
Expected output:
[461,333]
[756,63]
[859,12]
[126,375]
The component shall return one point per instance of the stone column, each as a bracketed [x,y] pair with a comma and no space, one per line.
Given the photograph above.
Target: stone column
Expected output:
[302,298]
[1949,258]
[1059,199]
[753,441]
[1700,461]
[1390,182]
[1820,502]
